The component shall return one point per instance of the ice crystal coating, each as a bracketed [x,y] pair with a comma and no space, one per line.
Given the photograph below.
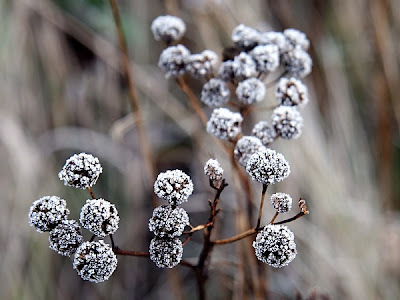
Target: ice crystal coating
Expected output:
[244,37]
[166,253]
[297,62]
[245,147]
[66,237]
[291,92]
[275,245]
[264,132]
[274,38]
[224,124]
[168,28]
[201,65]
[215,93]
[287,122]
[46,212]
[213,170]
[250,91]
[99,217]
[281,202]
[268,167]
[226,71]
[266,57]
[296,38]
[172,60]
[81,171]
[174,186]
[168,221]
[243,66]
[95,261]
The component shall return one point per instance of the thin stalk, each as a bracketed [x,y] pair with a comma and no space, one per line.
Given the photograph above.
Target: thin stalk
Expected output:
[236,237]
[264,191]
[91,193]
[274,218]
[299,215]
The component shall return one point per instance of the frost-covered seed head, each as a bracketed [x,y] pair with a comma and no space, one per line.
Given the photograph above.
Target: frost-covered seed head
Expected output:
[275,38]
[201,65]
[291,92]
[66,237]
[244,37]
[224,124]
[296,38]
[215,93]
[174,186]
[281,202]
[297,62]
[266,57]
[95,261]
[100,217]
[268,167]
[168,28]
[287,122]
[264,132]
[250,91]
[245,147]
[243,66]
[47,212]
[213,170]
[81,171]
[226,71]
[166,253]
[275,245]
[168,221]
[172,60]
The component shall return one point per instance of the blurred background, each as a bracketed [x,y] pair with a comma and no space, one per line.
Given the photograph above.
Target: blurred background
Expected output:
[62,92]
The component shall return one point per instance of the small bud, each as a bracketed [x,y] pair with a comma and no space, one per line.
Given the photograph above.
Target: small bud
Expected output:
[174,186]
[297,62]
[250,91]
[172,60]
[66,237]
[244,37]
[266,57]
[215,93]
[168,28]
[201,65]
[287,122]
[168,221]
[245,147]
[281,202]
[224,124]
[264,132]
[213,170]
[166,253]
[243,66]
[291,92]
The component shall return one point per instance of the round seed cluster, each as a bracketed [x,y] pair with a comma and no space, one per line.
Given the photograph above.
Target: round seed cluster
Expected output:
[264,132]
[224,124]
[166,253]
[46,212]
[250,91]
[245,147]
[291,92]
[213,170]
[296,38]
[201,65]
[168,28]
[226,71]
[266,57]
[99,217]
[215,93]
[243,66]
[268,167]
[281,202]
[275,246]
[297,62]
[174,186]
[66,237]
[244,37]
[81,171]
[95,261]
[274,38]
[172,60]
[168,221]
[287,122]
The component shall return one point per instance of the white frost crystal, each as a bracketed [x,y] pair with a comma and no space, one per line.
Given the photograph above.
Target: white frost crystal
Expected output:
[168,28]
[168,221]
[266,57]
[213,170]
[245,147]
[166,253]
[296,38]
[243,66]
[265,132]
[297,62]
[215,93]
[172,60]
[275,38]
[174,186]
[287,122]
[201,65]
[224,124]
[66,237]
[281,202]
[244,37]
[250,91]
[291,92]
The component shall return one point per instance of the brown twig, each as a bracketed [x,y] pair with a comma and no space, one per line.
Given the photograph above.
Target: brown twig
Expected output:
[91,193]
[299,215]
[197,228]
[236,237]
[264,191]
[274,218]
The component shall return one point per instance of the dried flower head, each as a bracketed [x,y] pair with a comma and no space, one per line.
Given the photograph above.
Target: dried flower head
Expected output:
[291,92]
[66,237]
[201,65]
[47,212]
[243,66]
[215,93]
[174,186]
[281,202]
[99,217]
[166,253]
[168,28]
[275,245]
[268,167]
[95,261]
[266,57]
[264,132]
[297,62]
[274,38]
[81,171]
[287,122]
[244,37]
[226,71]
[168,221]
[213,170]
[224,124]
[172,60]
[250,91]
[296,38]
[245,147]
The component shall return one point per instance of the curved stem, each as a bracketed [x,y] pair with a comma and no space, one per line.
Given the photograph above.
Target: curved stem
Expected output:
[237,237]
[299,215]
[264,191]
[274,218]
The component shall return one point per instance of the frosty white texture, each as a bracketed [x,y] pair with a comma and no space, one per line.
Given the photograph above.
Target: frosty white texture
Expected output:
[287,122]
[168,221]
[168,28]
[291,92]
[224,124]
[174,186]
[166,253]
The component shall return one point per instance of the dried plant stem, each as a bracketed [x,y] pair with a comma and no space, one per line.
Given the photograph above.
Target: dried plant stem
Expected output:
[236,237]
[274,218]
[197,228]
[299,215]
[91,193]
[264,191]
